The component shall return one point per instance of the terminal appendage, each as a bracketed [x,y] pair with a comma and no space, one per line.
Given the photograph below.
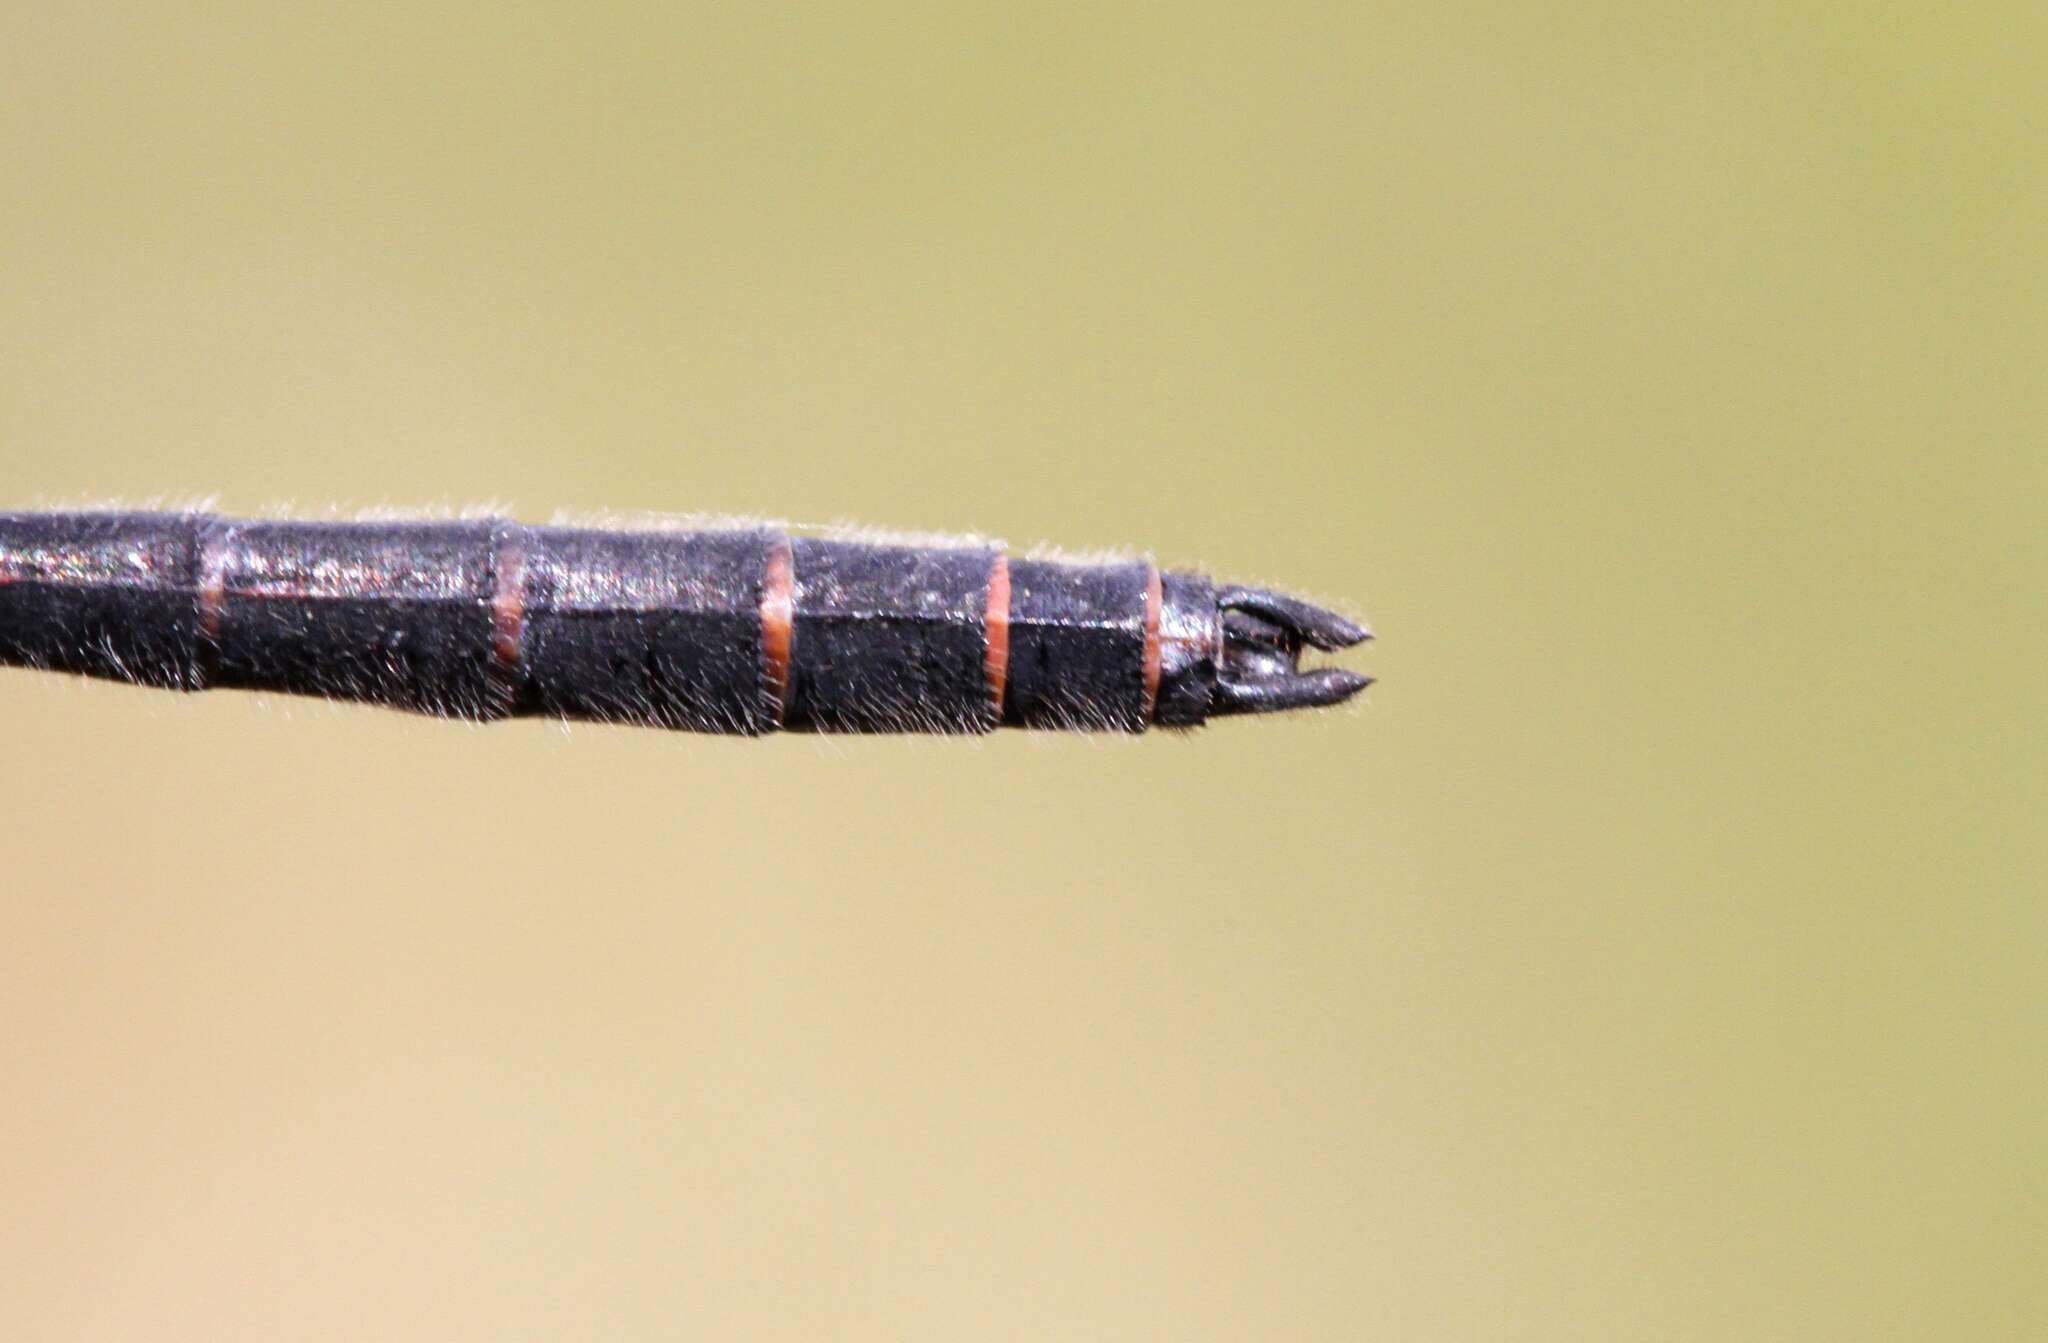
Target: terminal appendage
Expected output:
[1264,633]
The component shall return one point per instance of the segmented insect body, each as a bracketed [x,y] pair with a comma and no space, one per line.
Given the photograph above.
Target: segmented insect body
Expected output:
[738,631]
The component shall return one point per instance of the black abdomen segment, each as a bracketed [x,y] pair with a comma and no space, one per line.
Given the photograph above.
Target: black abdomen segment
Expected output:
[384,612]
[661,629]
[112,595]
[743,631]
[1077,646]
[890,638]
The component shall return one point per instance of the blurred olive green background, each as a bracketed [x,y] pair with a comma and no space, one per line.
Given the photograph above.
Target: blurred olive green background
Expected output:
[1659,953]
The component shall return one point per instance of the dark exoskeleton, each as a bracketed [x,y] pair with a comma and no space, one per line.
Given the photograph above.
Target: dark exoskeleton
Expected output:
[739,631]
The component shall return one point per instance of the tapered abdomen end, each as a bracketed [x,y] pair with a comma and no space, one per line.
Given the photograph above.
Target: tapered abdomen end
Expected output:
[1264,633]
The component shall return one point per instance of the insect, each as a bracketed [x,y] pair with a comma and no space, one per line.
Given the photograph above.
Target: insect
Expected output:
[747,630]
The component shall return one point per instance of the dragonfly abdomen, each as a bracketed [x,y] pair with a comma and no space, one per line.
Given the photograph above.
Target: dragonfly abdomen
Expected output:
[740,631]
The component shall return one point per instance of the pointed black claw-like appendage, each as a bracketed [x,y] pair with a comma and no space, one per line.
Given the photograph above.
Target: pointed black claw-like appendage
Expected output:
[1263,635]
[1310,624]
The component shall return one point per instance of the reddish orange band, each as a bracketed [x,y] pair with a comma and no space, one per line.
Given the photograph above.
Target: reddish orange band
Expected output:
[997,663]
[508,601]
[778,624]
